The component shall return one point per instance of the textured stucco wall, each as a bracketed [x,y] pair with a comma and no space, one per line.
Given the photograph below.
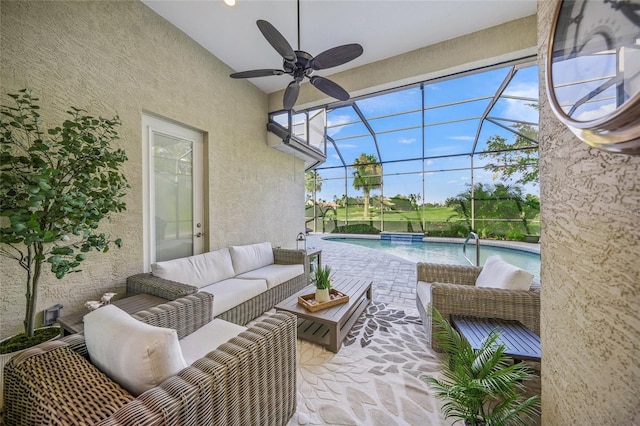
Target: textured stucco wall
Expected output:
[590,246]
[508,41]
[119,57]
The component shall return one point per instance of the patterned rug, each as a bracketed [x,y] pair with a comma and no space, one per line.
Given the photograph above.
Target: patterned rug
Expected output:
[375,377]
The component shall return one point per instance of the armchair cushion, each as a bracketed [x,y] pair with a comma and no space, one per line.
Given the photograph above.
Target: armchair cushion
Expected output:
[136,355]
[250,257]
[497,273]
[207,338]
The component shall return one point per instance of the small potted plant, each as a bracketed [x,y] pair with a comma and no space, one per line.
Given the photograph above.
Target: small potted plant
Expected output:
[481,387]
[322,280]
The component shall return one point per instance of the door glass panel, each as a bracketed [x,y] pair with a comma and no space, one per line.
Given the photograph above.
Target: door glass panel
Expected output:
[173,196]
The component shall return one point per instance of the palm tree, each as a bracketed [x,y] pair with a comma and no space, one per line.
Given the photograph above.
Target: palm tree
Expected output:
[312,183]
[367,176]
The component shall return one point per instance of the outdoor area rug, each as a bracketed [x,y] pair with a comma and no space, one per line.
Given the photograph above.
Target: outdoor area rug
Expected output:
[375,377]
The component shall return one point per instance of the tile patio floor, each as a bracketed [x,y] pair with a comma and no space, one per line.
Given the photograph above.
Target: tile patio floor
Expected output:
[394,279]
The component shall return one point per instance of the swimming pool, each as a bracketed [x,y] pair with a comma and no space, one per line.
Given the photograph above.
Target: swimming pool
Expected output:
[440,252]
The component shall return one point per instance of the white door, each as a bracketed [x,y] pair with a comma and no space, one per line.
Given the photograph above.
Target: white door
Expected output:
[174,208]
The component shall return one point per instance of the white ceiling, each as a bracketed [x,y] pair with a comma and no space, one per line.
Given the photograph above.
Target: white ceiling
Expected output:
[383,28]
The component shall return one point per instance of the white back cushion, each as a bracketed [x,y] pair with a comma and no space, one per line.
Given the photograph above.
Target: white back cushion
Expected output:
[497,273]
[250,257]
[199,270]
[136,355]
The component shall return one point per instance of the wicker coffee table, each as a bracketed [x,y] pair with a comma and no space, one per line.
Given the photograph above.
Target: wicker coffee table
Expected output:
[328,327]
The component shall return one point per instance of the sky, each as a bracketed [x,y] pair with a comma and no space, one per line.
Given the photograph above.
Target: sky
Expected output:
[452,111]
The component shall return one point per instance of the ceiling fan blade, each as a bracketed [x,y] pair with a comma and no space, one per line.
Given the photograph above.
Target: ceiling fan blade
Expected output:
[291,95]
[336,56]
[277,40]
[330,88]
[256,73]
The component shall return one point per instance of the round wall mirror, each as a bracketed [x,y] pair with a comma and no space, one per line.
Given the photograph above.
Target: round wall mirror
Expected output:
[593,72]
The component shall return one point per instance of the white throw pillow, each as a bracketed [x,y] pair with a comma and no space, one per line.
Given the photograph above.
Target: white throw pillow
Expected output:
[497,273]
[136,355]
[250,257]
[199,270]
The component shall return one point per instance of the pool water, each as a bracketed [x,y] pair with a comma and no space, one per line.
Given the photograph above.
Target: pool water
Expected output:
[451,253]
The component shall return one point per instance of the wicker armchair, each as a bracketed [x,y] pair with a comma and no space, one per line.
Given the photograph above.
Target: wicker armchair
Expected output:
[451,290]
[251,379]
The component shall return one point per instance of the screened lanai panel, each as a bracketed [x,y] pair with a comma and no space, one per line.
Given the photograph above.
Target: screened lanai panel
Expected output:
[450,139]
[439,186]
[458,111]
[400,145]
[333,159]
[353,147]
[524,83]
[515,109]
[466,87]
[447,163]
[493,136]
[401,167]
[410,119]
[391,103]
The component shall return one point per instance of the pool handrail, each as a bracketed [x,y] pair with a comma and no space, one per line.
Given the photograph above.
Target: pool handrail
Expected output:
[464,248]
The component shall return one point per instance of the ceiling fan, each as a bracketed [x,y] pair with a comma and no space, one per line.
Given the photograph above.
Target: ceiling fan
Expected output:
[300,64]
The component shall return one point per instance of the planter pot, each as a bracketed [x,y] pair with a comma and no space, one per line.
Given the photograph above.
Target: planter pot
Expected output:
[322,295]
[531,238]
[4,358]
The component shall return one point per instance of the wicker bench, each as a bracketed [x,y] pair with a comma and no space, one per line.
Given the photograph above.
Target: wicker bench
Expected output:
[251,379]
[242,313]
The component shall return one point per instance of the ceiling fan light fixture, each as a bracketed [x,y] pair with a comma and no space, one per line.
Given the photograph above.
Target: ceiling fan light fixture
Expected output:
[230,2]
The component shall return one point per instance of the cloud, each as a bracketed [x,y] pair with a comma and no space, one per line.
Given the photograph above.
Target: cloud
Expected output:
[336,120]
[406,141]
[461,138]
[346,146]
[518,109]
[452,181]
[595,113]
[429,162]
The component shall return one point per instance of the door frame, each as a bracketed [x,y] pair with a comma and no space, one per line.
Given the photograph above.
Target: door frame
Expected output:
[152,123]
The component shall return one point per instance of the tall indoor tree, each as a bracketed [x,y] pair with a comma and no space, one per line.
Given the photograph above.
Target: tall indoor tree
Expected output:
[56,186]
[367,176]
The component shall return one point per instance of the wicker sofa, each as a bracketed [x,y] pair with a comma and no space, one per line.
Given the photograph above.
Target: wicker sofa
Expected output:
[451,290]
[227,273]
[250,379]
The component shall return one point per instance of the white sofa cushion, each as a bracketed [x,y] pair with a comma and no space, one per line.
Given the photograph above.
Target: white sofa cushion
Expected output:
[250,257]
[232,292]
[496,273]
[207,338]
[274,274]
[136,355]
[423,293]
[199,270]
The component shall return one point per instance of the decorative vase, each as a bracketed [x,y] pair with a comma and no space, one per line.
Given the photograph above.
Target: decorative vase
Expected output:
[322,295]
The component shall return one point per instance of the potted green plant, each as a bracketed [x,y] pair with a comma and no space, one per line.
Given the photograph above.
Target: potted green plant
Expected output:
[322,281]
[481,387]
[56,186]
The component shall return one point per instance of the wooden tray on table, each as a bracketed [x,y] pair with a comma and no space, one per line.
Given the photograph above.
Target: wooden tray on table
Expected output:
[310,304]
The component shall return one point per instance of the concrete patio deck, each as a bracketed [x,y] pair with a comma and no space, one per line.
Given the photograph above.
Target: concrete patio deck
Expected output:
[394,279]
